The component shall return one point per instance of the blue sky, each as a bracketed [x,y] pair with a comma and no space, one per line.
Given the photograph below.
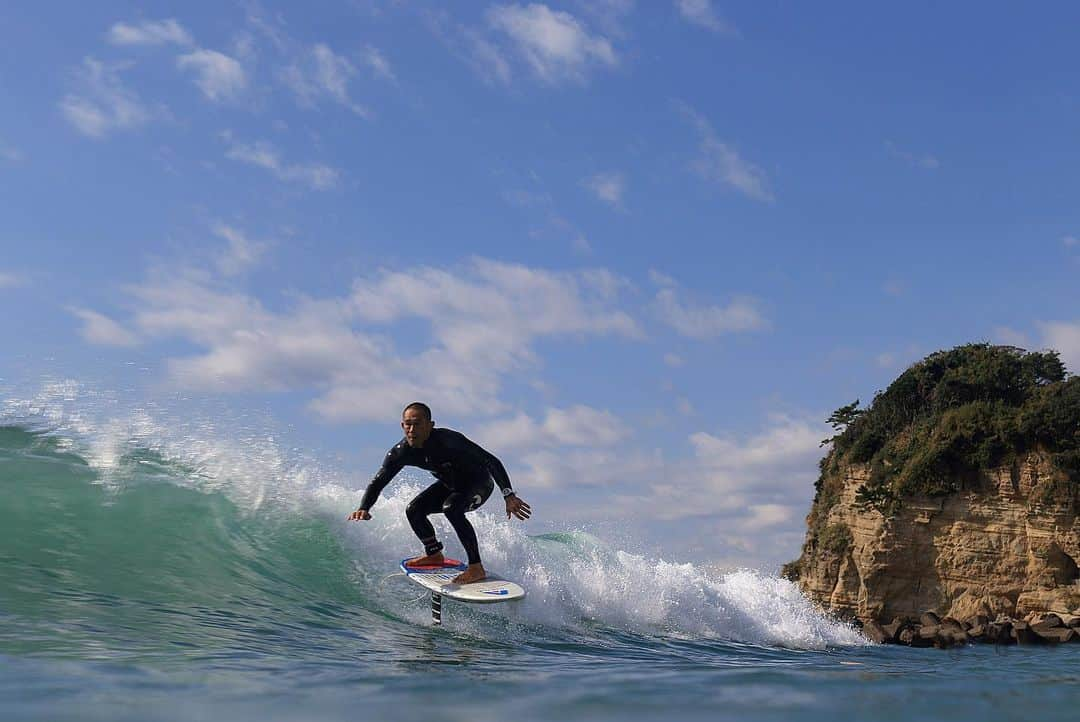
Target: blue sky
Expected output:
[640,250]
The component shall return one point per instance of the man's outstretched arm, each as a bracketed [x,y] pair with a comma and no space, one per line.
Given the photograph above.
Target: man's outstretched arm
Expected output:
[392,464]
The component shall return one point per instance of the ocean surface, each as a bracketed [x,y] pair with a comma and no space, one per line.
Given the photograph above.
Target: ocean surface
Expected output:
[153,571]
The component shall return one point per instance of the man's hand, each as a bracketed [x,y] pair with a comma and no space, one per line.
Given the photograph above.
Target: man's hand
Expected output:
[359,515]
[517,507]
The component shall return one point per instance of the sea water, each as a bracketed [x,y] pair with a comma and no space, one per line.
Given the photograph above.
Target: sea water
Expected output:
[152,572]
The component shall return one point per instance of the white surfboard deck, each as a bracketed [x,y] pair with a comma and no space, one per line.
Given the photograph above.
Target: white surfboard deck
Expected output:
[439,580]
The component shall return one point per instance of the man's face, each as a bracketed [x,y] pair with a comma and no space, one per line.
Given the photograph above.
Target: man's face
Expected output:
[417,428]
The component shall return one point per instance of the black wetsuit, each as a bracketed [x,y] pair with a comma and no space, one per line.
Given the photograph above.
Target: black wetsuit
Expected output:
[464,473]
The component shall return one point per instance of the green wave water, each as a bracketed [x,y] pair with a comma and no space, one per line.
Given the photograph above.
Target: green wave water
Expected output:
[152,569]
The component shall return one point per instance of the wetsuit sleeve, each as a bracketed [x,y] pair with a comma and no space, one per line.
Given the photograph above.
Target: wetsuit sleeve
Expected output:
[489,461]
[392,464]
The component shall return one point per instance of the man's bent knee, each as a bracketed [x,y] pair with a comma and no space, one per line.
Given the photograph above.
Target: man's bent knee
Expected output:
[453,511]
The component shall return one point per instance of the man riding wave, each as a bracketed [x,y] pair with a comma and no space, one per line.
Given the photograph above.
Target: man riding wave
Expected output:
[465,476]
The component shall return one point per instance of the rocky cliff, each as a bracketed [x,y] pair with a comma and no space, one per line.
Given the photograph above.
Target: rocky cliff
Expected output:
[994,550]
[956,492]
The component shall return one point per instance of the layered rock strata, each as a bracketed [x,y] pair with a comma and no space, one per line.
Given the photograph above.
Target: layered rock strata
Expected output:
[1004,548]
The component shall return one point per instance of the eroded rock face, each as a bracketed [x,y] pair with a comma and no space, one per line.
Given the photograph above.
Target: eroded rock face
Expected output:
[1000,549]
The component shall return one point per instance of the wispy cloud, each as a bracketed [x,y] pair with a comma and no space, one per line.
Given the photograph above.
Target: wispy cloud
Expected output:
[149,32]
[1011,337]
[1070,241]
[916,160]
[102,104]
[264,155]
[1064,337]
[708,321]
[241,252]
[101,330]
[219,76]
[609,16]
[380,66]
[702,14]
[578,425]
[323,74]
[485,58]
[717,161]
[11,280]
[674,360]
[555,45]
[608,187]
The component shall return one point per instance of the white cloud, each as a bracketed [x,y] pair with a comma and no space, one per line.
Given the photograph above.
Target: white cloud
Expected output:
[702,322]
[701,13]
[11,280]
[265,155]
[608,187]
[486,58]
[924,160]
[1070,241]
[102,104]
[609,15]
[717,161]
[583,467]
[103,331]
[1064,338]
[770,473]
[1011,337]
[674,360]
[748,493]
[150,32]
[578,425]
[521,198]
[240,254]
[484,322]
[493,311]
[469,44]
[378,63]
[661,279]
[219,77]
[789,443]
[768,515]
[554,44]
[323,74]
[720,162]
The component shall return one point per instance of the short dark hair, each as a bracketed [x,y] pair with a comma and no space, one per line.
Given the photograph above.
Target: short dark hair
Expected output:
[424,409]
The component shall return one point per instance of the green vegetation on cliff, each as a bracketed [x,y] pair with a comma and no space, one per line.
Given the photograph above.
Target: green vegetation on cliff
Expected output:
[946,420]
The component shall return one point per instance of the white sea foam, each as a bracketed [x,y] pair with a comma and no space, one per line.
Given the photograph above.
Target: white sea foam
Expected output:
[575,579]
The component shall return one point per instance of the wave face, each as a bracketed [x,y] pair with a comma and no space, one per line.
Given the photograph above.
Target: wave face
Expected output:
[152,542]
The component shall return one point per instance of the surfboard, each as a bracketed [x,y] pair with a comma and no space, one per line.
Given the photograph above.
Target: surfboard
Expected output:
[439,580]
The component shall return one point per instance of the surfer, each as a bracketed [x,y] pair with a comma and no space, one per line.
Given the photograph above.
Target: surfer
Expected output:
[464,473]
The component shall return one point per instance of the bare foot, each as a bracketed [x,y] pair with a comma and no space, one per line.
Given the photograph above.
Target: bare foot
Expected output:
[474,573]
[428,560]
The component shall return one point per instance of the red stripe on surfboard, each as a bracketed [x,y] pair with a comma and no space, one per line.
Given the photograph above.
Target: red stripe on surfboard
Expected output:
[447,563]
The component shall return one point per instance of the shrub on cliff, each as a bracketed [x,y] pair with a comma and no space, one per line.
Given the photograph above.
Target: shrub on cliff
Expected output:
[953,415]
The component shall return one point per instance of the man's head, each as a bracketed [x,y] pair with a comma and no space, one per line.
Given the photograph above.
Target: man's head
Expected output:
[416,423]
